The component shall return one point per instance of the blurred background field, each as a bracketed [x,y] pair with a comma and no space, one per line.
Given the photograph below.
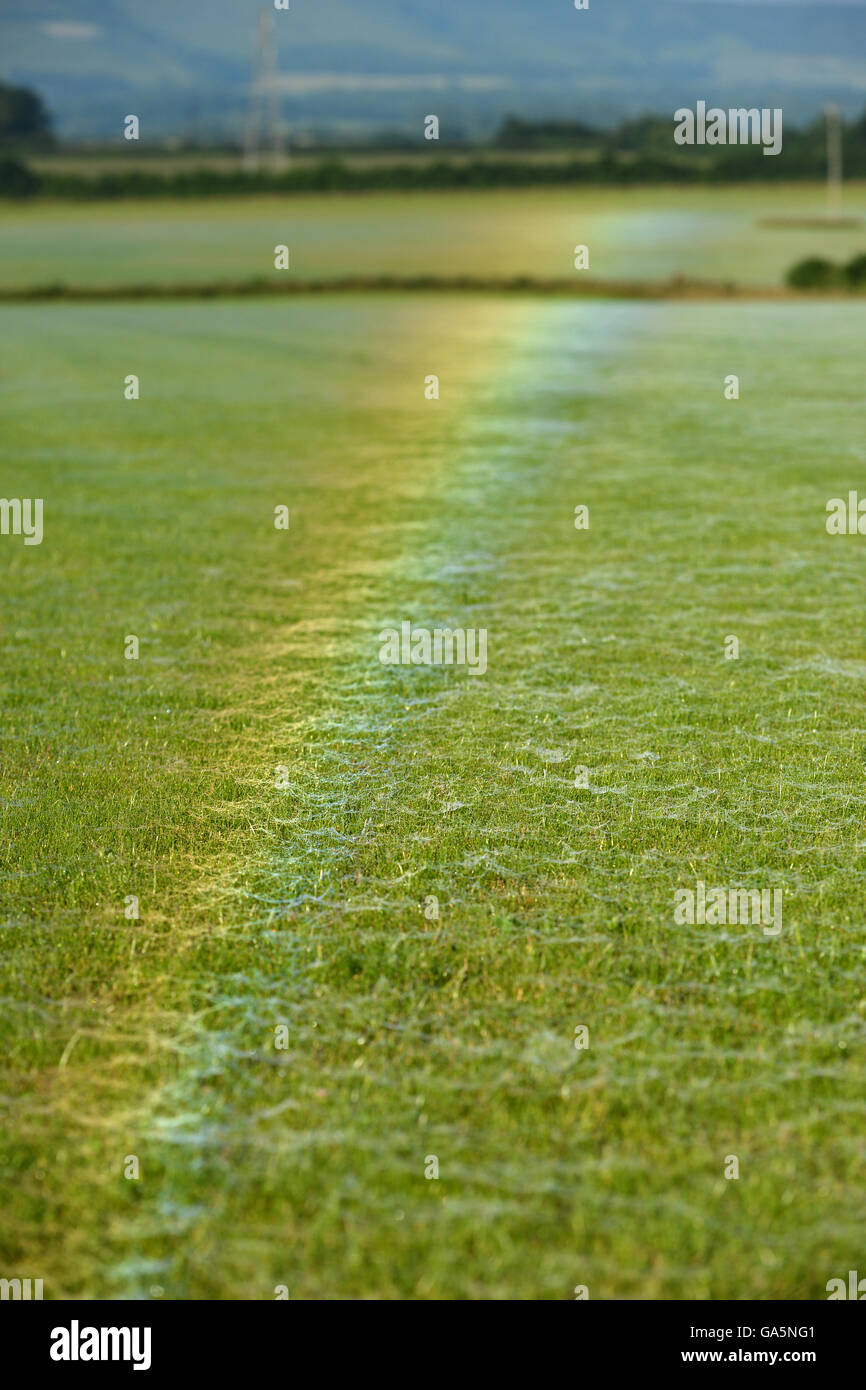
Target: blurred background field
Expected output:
[632,234]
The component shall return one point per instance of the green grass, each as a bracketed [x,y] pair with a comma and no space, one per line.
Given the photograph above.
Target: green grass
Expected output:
[632,234]
[259,648]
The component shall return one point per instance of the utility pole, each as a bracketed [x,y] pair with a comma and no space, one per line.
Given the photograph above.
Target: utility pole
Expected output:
[834,161]
[263,125]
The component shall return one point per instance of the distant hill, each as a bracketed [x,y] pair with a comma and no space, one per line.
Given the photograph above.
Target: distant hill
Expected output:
[359,65]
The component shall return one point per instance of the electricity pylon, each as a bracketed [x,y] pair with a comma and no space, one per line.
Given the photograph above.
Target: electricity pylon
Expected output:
[834,162]
[264,127]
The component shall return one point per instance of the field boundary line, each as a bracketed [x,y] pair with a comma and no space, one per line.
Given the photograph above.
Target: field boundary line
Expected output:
[677,287]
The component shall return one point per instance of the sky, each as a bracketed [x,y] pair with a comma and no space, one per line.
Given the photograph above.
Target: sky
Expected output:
[356,66]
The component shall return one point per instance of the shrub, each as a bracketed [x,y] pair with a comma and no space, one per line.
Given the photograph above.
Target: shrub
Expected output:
[815,274]
[855,272]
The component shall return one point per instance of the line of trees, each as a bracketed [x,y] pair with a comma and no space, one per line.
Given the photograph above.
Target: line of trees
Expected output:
[20,180]
[648,142]
[638,151]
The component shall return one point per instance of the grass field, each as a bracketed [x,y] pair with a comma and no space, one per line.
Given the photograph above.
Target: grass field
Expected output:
[411,1037]
[632,234]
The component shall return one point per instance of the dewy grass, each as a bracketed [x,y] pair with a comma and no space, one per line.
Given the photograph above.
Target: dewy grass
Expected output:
[414,1034]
